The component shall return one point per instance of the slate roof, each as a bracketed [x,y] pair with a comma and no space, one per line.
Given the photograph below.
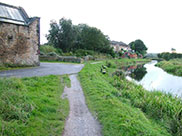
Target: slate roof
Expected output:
[15,15]
[119,43]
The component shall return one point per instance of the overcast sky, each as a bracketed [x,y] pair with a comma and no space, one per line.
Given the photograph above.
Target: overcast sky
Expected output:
[158,23]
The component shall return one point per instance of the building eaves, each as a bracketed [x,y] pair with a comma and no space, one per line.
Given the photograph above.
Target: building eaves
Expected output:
[14,15]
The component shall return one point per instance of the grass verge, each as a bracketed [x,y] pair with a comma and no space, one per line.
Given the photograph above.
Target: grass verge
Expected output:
[4,68]
[60,62]
[124,108]
[173,66]
[33,106]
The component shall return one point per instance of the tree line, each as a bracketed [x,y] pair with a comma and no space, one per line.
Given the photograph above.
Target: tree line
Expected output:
[168,56]
[69,38]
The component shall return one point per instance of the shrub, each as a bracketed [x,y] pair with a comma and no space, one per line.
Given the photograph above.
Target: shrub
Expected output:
[52,54]
[45,49]
[81,52]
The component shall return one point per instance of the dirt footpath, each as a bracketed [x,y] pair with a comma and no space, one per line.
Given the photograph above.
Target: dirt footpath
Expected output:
[80,122]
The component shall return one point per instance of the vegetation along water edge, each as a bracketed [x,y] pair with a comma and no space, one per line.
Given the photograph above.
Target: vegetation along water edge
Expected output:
[173,66]
[124,108]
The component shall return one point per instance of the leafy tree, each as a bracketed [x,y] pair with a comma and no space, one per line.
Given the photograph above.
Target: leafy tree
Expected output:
[69,37]
[139,47]
[93,39]
[62,35]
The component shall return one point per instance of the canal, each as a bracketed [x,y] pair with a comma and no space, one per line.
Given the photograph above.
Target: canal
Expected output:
[154,78]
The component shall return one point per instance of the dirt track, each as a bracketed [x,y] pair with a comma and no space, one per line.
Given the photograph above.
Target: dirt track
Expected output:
[80,122]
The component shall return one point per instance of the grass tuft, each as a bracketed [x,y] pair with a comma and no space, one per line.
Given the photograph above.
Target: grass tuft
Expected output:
[32,106]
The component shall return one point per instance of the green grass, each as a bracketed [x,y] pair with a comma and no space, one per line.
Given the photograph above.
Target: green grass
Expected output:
[124,108]
[4,68]
[120,62]
[33,106]
[173,66]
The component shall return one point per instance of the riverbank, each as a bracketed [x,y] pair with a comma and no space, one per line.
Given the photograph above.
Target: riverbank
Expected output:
[124,108]
[173,66]
[33,106]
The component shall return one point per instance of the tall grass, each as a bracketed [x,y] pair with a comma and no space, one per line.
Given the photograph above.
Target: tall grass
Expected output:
[124,108]
[32,106]
[173,66]
[162,107]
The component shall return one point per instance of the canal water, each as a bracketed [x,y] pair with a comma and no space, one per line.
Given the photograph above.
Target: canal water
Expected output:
[154,78]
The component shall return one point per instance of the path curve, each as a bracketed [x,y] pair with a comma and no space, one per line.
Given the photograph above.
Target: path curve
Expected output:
[44,69]
[80,122]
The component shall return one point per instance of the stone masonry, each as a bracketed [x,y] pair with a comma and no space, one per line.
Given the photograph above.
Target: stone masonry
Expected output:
[19,44]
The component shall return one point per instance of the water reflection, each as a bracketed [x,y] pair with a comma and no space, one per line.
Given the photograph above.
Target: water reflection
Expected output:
[154,78]
[136,72]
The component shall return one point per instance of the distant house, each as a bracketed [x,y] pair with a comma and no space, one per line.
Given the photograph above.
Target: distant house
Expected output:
[129,54]
[118,46]
[173,50]
[19,36]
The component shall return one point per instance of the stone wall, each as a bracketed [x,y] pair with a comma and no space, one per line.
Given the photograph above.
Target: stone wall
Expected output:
[19,45]
[61,58]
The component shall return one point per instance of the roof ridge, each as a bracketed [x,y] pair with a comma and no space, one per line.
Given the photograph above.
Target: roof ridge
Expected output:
[118,42]
[14,14]
[11,6]
[17,18]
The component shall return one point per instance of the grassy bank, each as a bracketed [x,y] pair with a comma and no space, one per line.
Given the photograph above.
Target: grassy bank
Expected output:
[33,106]
[124,108]
[173,66]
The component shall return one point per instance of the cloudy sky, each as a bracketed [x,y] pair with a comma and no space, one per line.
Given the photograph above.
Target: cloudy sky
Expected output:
[157,22]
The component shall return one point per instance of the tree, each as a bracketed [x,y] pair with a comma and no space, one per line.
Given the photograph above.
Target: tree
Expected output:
[69,37]
[139,47]
[168,56]
[62,35]
[93,39]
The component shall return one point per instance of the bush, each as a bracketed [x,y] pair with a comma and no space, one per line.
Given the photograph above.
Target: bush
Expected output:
[81,52]
[45,49]
[52,54]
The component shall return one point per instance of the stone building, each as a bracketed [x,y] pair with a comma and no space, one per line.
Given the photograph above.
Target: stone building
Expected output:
[19,37]
[117,46]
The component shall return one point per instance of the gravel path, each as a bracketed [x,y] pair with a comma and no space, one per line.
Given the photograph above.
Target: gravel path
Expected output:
[43,70]
[80,122]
